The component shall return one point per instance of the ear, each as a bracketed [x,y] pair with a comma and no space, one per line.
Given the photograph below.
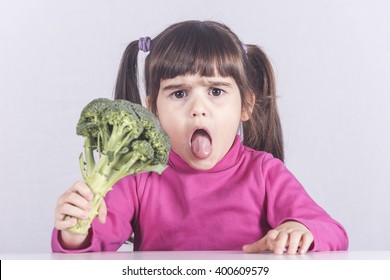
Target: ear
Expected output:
[247,112]
[148,102]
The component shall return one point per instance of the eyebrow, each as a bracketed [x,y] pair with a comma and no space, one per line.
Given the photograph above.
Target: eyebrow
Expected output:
[217,83]
[174,86]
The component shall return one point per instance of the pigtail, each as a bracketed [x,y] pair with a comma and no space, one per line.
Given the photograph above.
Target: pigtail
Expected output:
[263,130]
[127,80]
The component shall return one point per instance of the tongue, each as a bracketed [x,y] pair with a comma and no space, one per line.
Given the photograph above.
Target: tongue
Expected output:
[201,144]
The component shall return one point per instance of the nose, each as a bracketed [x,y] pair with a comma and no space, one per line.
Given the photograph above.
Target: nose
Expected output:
[198,108]
[198,114]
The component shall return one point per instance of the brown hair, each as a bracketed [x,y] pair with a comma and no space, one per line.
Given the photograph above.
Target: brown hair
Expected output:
[208,48]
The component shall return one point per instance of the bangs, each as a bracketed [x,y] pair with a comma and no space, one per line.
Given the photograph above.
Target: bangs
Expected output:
[197,49]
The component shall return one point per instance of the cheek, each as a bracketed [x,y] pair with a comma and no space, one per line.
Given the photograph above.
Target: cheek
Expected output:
[167,120]
[164,122]
[174,133]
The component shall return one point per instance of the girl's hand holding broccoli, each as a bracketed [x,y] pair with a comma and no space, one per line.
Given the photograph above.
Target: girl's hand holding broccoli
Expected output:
[292,236]
[72,205]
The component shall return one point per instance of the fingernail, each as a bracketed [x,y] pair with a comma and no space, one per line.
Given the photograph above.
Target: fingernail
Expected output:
[279,252]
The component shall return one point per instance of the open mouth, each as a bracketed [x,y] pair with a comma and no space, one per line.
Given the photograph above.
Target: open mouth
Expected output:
[201,144]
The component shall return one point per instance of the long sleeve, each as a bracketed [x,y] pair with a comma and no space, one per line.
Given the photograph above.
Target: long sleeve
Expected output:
[286,199]
[122,204]
[235,203]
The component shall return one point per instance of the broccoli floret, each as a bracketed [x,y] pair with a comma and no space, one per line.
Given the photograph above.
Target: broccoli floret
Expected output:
[152,133]
[127,138]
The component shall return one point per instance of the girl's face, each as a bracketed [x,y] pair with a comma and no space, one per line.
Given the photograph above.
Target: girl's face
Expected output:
[201,116]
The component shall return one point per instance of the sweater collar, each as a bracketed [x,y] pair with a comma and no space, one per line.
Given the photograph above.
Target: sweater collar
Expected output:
[229,160]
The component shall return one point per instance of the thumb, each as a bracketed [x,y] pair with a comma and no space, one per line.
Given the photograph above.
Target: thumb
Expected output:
[264,244]
[256,247]
[102,212]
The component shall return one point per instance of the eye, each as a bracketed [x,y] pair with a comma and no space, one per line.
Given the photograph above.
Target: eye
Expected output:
[178,94]
[216,91]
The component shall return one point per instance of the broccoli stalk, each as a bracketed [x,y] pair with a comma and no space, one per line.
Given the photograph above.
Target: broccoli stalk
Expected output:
[128,140]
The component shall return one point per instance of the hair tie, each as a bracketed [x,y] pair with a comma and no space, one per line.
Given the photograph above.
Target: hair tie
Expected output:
[245,47]
[144,44]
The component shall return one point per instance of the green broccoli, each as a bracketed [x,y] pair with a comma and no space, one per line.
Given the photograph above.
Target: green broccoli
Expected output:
[156,139]
[128,139]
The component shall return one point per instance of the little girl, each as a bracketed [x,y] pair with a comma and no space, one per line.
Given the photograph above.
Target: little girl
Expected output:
[226,187]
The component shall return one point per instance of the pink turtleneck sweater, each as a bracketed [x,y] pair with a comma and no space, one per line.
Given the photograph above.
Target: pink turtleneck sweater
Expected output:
[235,203]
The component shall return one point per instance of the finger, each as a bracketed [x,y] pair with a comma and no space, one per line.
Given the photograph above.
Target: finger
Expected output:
[80,188]
[272,235]
[280,243]
[83,189]
[102,213]
[294,241]
[255,247]
[77,200]
[264,244]
[73,211]
[306,240]
[65,223]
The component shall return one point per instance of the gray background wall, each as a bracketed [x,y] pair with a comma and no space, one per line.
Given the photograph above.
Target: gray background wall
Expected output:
[332,63]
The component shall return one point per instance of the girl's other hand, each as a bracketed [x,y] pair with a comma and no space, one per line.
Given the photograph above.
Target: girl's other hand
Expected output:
[291,236]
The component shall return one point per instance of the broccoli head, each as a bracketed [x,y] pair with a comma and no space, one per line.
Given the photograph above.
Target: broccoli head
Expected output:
[159,141]
[120,138]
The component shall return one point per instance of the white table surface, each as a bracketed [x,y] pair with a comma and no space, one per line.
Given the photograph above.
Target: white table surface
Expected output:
[199,255]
